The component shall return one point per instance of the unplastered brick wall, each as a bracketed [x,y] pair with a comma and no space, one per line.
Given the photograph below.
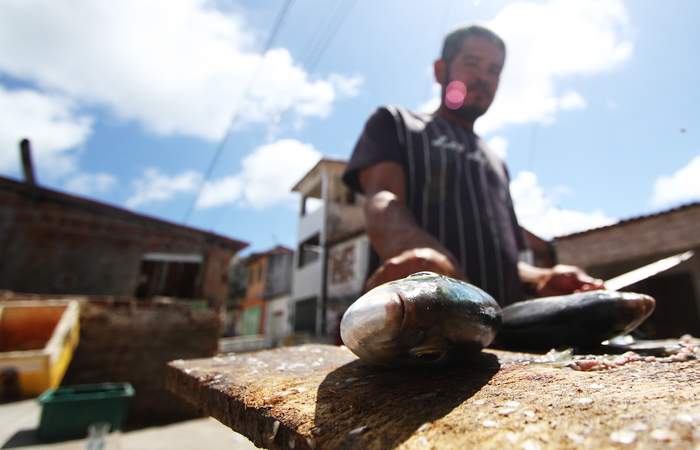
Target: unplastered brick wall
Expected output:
[215,281]
[57,244]
[673,231]
[122,339]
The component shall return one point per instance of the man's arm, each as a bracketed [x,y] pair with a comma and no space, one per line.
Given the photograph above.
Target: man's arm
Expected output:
[557,280]
[404,246]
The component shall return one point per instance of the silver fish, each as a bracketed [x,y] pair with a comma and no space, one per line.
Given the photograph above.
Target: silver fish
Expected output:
[580,320]
[425,319]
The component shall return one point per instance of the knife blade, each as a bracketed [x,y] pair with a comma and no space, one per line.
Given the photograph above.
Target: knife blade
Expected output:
[647,271]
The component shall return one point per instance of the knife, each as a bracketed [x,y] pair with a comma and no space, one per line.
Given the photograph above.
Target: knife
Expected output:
[647,271]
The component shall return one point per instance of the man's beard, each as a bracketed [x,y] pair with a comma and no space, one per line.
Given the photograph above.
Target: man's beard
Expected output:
[470,112]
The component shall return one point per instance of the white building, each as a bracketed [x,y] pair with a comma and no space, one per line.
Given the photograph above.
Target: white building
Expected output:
[331,258]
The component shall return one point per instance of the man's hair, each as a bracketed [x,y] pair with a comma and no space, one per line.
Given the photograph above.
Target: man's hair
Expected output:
[454,39]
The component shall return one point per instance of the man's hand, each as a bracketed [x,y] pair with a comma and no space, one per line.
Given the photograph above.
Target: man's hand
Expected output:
[412,261]
[404,246]
[558,280]
[563,280]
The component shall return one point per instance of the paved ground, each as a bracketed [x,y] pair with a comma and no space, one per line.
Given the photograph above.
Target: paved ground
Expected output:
[19,420]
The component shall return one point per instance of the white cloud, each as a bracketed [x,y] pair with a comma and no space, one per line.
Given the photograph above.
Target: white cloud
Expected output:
[86,183]
[220,192]
[266,179]
[546,43]
[176,66]
[50,123]
[681,187]
[572,100]
[430,106]
[537,212]
[346,87]
[157,187]
[433,103]
[499,145]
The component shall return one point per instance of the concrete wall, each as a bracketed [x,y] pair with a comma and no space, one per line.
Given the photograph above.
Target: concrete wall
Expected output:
[279,274]
[347,268]
[307,280]
[344,218]
[277,325]
[311,224]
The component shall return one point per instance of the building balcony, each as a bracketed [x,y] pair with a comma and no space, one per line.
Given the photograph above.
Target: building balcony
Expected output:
[311,224]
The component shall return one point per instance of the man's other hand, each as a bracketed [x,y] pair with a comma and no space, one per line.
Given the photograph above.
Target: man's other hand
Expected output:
[563,280]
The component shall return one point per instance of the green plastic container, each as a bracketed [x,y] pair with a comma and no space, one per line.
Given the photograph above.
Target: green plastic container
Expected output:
[68,411]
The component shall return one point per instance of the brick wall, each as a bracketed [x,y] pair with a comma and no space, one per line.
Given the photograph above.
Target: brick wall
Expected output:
[614,250]
[255,286]
[52,243]
[215,281]
[662,234]
[122,339]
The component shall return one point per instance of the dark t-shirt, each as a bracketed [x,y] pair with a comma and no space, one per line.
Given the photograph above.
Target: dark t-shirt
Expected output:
[457,190]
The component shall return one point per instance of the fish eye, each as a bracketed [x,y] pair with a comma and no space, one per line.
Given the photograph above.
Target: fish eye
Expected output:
[429,356]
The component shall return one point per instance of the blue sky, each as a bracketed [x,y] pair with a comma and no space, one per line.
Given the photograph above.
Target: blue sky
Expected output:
[127,102]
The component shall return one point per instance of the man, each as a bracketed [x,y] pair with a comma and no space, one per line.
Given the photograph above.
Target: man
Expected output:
[437,198]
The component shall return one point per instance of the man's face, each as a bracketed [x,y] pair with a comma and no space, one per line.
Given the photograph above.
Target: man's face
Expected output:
[478,65]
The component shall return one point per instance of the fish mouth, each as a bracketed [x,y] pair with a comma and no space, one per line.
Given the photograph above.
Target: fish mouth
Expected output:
[428,355]
[432,351]
[648,304]
[640,306]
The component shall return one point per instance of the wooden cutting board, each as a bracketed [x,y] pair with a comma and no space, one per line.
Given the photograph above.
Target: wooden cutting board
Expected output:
[323,397]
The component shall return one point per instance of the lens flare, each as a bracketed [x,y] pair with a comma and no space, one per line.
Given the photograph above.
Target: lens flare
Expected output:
[455,93]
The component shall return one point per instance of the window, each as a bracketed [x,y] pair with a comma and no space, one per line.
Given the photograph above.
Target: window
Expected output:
[305,316]
[169,275]
[309,251]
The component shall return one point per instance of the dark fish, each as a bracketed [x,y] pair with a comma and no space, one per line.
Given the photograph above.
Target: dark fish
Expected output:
[425,319]
[578,320]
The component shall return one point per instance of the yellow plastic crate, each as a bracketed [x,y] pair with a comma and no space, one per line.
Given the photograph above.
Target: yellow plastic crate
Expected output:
[37,341]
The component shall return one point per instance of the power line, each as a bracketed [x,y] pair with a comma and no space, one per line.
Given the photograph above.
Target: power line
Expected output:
[310,69]
[320,27]
[326,42]
[273,33]
[445,16]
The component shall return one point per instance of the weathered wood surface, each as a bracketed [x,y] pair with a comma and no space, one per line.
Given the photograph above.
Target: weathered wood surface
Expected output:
[323,397]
